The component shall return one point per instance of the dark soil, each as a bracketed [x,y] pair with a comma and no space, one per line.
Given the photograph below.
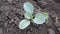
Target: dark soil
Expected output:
[11,13]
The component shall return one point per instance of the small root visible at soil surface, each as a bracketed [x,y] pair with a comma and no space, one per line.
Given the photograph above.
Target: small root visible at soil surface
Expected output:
[12,12]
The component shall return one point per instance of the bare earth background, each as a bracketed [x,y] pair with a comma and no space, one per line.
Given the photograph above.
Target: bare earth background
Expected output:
[11,13]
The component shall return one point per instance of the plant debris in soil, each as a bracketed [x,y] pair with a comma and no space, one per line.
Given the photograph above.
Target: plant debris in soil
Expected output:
[11,13]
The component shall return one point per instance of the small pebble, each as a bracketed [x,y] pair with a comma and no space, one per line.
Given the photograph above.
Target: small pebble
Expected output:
[5,24]
[50,0]
[59,29]
[1,31]
[28,32]
[9,1]
[51,31]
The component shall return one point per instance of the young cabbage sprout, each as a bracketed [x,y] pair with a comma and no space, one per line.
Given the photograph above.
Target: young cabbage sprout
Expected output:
[39,18]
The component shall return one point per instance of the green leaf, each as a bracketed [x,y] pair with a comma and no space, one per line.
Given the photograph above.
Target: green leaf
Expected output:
[39,15]
[46,15]
[24,23]
[28,15]
[28,7]
[39,18]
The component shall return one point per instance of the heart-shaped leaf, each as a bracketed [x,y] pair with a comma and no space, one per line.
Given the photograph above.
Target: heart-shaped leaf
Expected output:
[28,7]
[24,23]
[45,15]
[39,18]
[28,15]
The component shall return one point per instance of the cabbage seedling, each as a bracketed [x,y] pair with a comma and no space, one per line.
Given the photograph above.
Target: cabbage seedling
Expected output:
[39,18]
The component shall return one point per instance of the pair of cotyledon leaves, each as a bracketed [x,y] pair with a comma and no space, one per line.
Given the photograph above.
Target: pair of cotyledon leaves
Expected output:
[40,18]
